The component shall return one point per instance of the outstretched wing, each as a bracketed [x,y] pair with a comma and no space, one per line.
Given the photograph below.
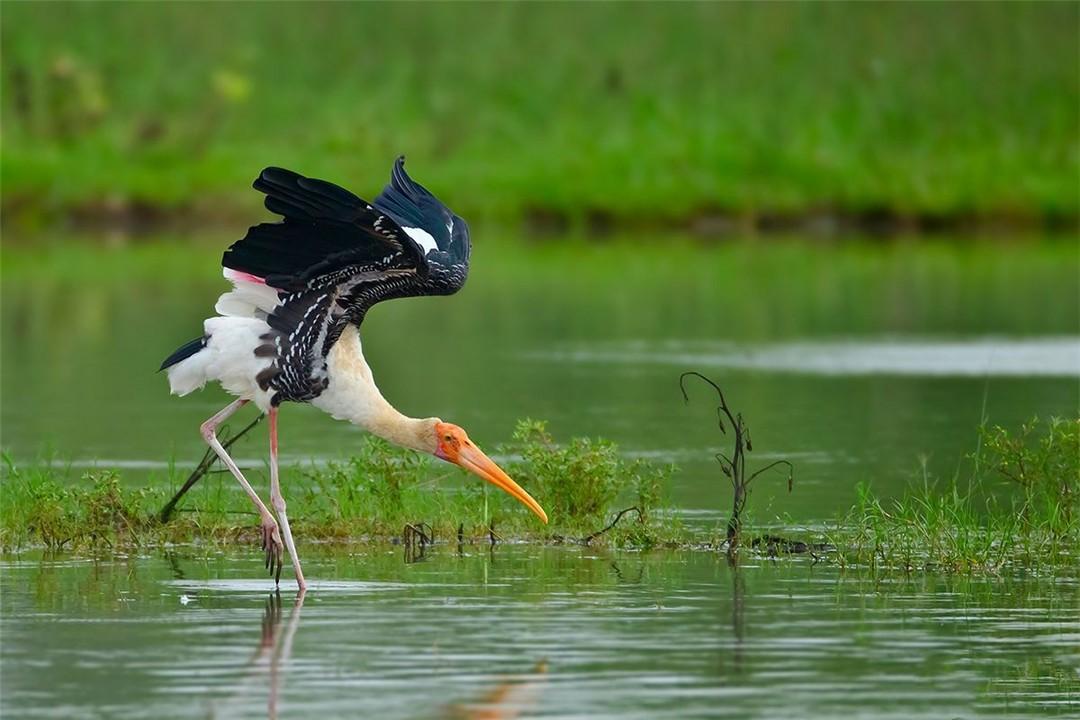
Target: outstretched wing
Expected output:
[331,258]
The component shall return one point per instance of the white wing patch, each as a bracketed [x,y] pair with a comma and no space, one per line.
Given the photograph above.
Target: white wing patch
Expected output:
[423,238]
[247,298]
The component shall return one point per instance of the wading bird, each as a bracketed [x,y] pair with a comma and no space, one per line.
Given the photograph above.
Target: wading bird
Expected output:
[289,328]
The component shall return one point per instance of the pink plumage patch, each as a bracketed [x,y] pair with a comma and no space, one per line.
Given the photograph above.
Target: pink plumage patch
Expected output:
[243,276]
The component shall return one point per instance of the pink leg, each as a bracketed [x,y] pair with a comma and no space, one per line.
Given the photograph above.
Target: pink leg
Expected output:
[271,540]
[278,501]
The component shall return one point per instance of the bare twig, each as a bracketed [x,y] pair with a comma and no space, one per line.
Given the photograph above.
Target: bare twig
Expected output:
[415,538]
[770,466]
[641,518]
[416,531]
[721,410]
[208,459]
[734,465]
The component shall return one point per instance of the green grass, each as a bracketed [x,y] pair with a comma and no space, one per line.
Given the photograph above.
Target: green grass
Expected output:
[937,528]
[958,526]
[517,110]
[369,498]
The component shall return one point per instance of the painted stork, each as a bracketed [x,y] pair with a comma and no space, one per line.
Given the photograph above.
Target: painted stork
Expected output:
[289,328]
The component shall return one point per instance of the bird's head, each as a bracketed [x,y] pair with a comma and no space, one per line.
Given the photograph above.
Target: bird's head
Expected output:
[452,444]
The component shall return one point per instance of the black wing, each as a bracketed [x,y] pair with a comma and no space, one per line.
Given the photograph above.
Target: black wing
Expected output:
[334,256]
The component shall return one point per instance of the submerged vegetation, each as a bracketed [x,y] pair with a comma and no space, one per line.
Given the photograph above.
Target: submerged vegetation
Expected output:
[1018,509]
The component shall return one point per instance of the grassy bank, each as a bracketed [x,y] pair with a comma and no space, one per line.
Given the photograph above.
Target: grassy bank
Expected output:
[954,526]
[551,113]
[369,498]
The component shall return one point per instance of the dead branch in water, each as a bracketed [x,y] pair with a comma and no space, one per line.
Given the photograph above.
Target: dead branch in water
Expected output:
[734,465]
[415,538]
[641,518]
[418,534]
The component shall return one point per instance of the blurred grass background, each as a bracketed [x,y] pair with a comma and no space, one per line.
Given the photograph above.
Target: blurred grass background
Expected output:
[547,112]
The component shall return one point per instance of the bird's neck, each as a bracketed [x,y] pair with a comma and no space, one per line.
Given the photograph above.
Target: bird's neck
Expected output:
[352,395]
[414,433]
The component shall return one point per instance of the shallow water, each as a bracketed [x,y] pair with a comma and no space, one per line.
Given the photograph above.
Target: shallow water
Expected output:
[528,632]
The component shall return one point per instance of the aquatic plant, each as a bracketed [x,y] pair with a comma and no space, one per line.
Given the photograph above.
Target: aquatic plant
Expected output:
[39,507]
[734,465]
[977,524]
[963,526]
[374,495]
[1047,468]
[583,481]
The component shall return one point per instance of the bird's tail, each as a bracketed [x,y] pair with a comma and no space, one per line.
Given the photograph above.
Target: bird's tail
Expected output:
[184,352]
[186,372]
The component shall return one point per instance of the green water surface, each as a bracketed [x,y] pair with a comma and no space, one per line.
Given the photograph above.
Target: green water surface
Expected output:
[528,632]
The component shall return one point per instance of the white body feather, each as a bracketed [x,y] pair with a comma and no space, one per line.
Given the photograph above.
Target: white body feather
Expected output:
[229,356]
[229,359]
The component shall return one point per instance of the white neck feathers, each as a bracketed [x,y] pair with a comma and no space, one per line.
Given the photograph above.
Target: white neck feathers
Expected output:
[352,395]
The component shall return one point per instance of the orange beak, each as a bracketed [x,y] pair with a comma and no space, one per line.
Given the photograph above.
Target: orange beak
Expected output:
[475,461]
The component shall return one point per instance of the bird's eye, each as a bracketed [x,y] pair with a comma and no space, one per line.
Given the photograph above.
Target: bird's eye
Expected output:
[448,438]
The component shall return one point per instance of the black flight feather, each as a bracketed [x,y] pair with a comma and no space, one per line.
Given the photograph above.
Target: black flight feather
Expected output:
[184,352]
[333,256]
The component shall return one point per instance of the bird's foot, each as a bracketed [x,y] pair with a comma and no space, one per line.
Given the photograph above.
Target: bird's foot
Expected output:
[272,546]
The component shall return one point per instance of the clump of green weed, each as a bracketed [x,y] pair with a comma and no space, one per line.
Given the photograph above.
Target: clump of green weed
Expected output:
[95,510]
[374,495]
[1045,465]
[108,511]
[935,526]
[35,506]
[371,483]
[583,483]
[578,481]
[964,526]
[380,489]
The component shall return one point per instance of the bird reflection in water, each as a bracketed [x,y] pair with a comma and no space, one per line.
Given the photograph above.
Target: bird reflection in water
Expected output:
[270,657]
[515,695]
